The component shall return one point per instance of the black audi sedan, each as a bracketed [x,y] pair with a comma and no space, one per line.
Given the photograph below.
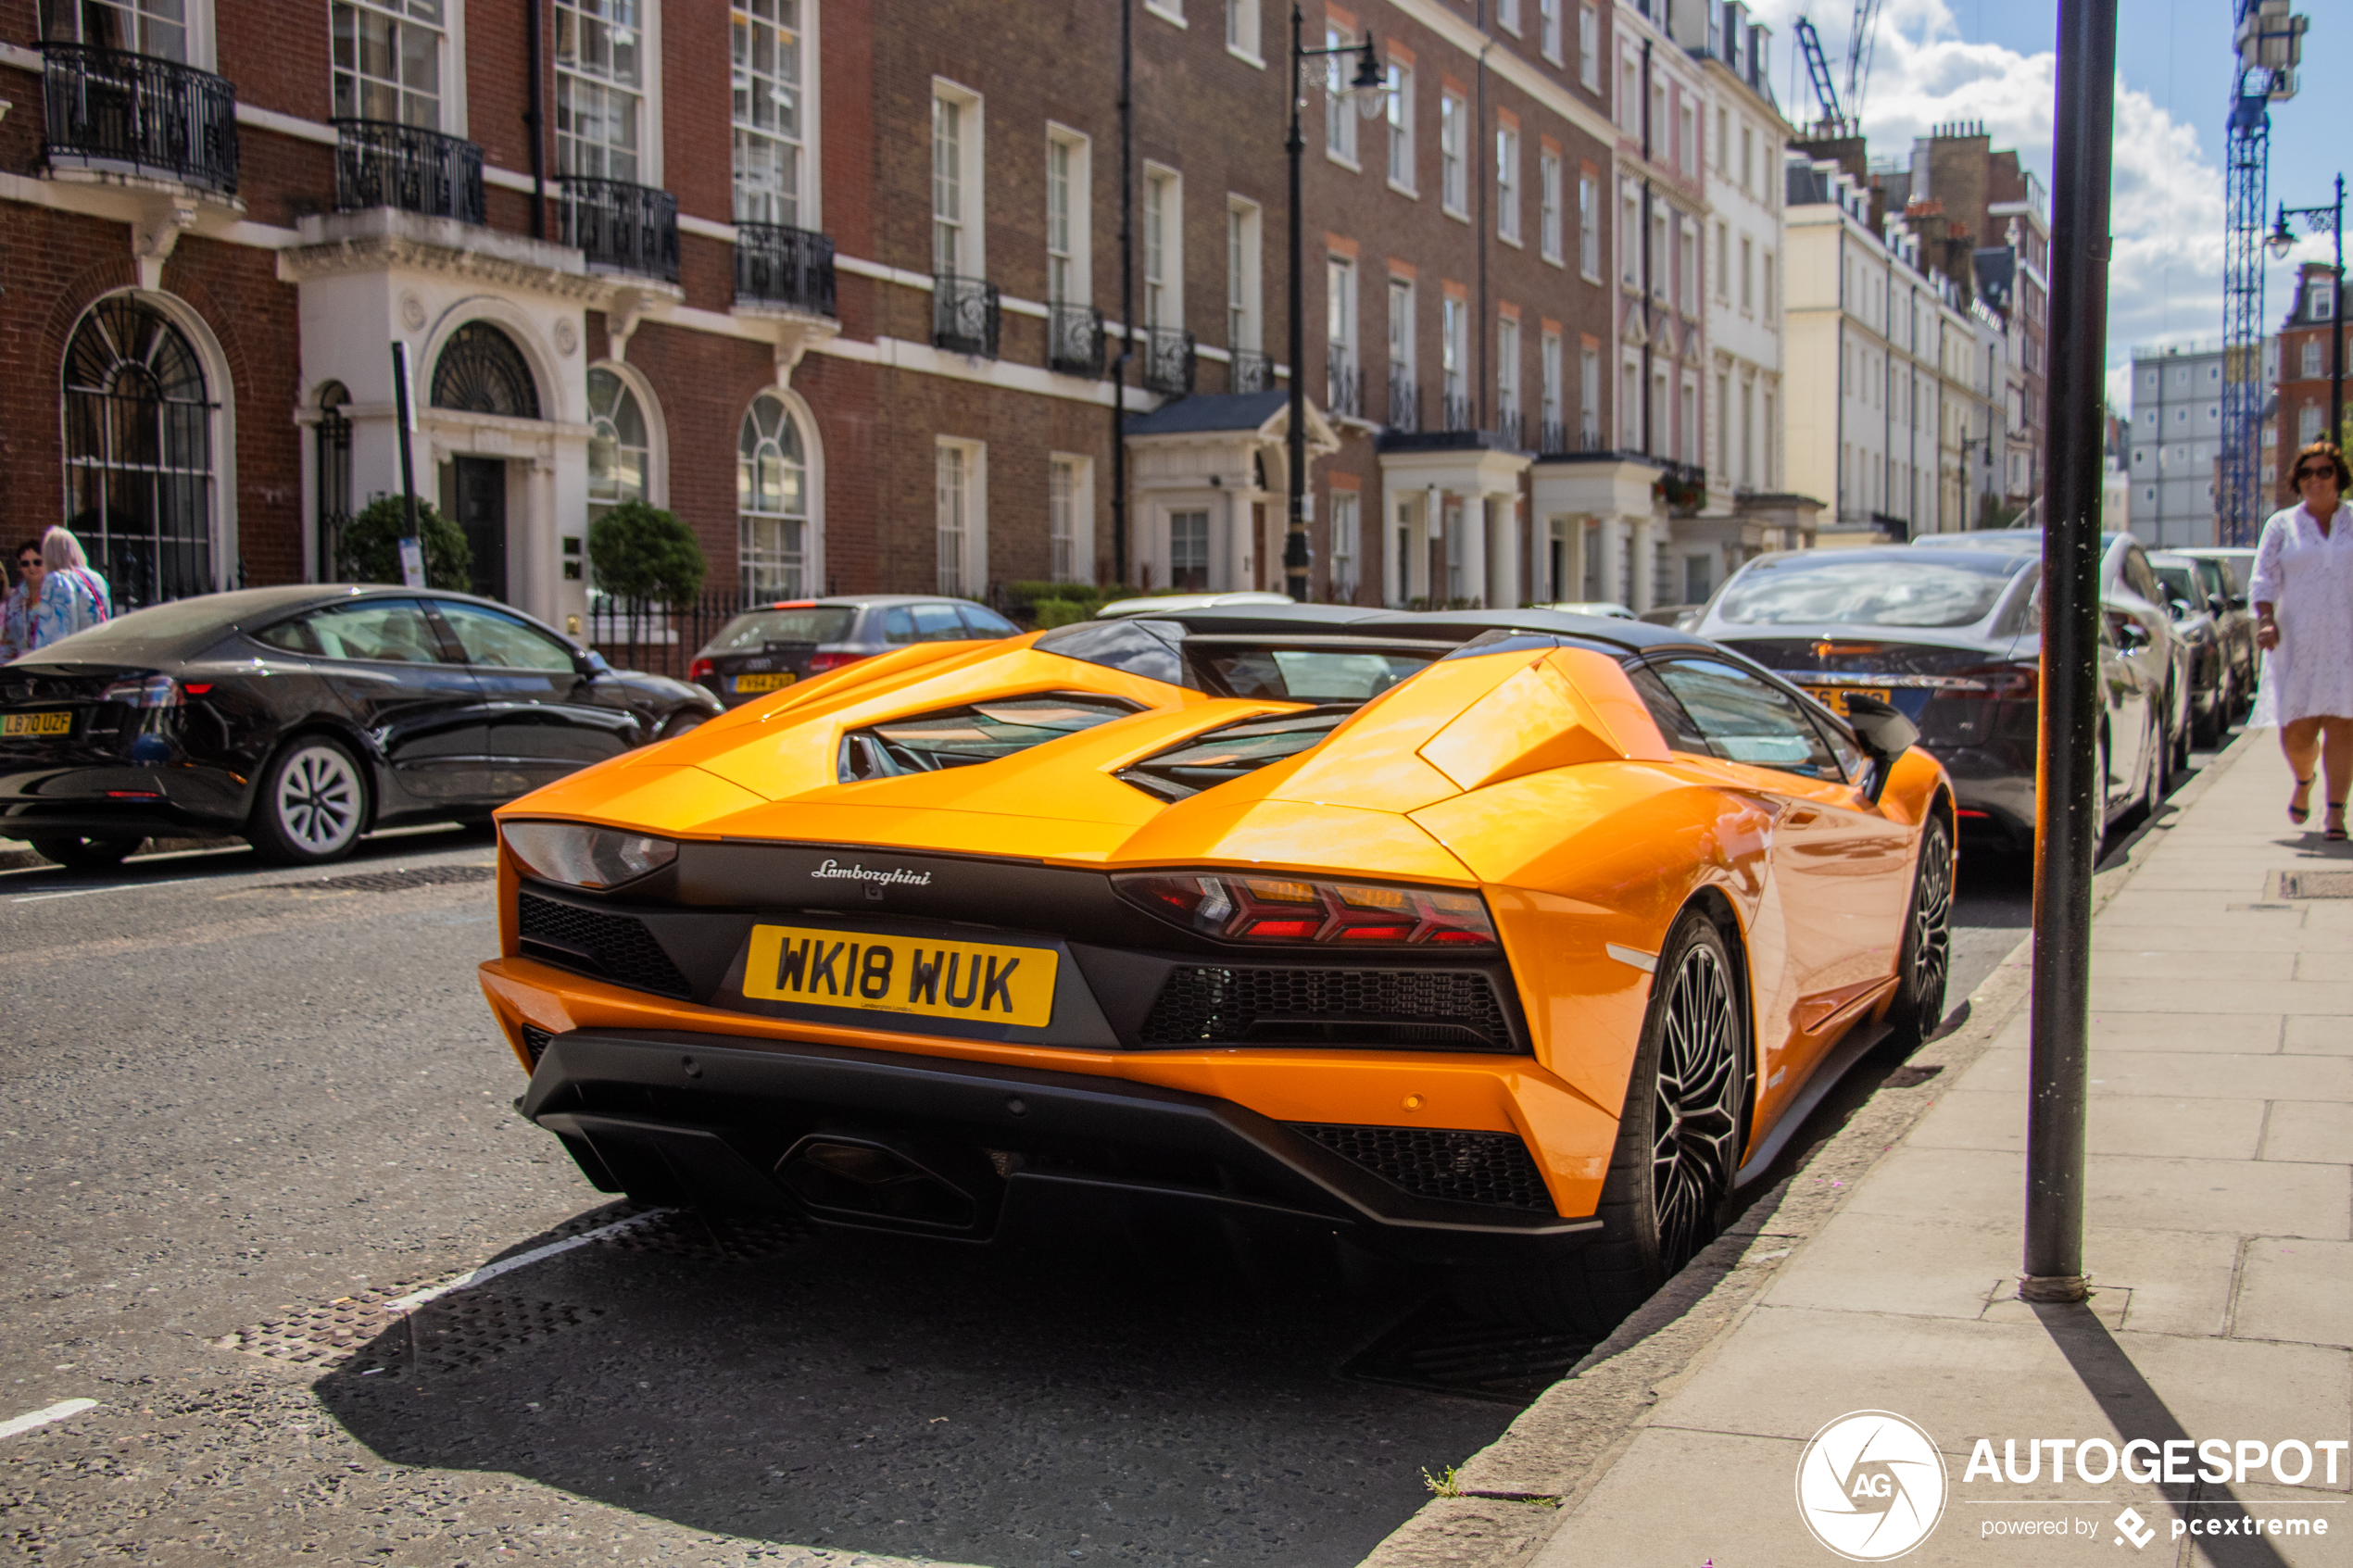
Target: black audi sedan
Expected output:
[1952,638]
[302,717]
[769,647]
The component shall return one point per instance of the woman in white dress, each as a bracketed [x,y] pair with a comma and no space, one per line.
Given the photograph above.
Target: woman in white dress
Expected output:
[2303,594]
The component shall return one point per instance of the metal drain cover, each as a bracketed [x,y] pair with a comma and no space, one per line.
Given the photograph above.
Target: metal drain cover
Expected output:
[1440,1348]
[394,881]
[453,1334]
[713,1238]
[2313,885]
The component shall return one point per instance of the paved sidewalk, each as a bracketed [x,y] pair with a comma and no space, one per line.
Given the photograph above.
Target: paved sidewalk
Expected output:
[2221,1194]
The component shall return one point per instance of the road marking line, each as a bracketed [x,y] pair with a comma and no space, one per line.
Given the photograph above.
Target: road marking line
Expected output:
[417,1298]
[58,1411]
[119,887]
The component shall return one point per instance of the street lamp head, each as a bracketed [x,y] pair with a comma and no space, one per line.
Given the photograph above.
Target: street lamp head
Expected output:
[2281,242]
[1369,87]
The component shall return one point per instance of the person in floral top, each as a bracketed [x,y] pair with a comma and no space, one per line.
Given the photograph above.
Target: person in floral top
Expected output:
[73,598]
[15,608]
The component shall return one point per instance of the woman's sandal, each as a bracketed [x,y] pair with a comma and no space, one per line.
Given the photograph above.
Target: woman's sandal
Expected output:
[2299,813]
[2334,832]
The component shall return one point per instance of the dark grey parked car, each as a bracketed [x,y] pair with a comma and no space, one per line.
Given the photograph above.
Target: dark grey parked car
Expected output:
[301,716]
[2229,570]
[770,646]
[1952,638]
[2198,605]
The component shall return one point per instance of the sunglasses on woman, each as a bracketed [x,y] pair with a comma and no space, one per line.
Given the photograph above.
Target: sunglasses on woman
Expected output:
[2303,474]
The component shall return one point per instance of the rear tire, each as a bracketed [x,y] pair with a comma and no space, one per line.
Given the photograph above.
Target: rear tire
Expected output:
[1679,1147]
[312,804]
[1917,1010]
[82,854]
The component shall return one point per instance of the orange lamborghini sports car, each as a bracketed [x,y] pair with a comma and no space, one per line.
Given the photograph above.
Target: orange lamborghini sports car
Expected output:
[1506,941]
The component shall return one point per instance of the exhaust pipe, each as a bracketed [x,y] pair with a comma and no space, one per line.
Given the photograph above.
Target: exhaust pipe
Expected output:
[883,1183]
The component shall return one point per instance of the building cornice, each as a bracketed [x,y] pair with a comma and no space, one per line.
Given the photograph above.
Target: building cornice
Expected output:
[1457,32]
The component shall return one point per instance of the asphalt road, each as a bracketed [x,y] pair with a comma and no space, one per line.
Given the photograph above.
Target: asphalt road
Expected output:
[247,1107]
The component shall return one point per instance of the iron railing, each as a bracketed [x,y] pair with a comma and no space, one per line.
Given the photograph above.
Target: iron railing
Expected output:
[1249,371]
[620,227]
[965,315]
[111,110]
[777,264]
[1456,414]
[1404,401]
[659,638]
[380,163]
[1343,386]
[1557,438]
[1074,339]
[1510,428]
[1169,361]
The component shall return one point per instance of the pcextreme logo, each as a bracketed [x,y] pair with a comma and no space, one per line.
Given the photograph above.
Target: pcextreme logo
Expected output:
[1871,1486]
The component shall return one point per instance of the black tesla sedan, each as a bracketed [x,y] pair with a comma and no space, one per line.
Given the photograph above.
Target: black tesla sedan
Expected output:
[1952,638]
[301,716]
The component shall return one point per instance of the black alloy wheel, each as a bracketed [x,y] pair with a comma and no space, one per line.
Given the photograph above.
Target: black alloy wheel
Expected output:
[1678,1145]
[1926,961]
[82,854]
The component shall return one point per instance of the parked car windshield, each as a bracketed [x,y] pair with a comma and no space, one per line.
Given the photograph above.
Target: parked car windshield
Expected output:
[1948,589]
[2182,584]
[812,624]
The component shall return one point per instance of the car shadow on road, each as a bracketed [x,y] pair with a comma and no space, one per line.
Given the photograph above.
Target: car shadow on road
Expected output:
[1091,1401]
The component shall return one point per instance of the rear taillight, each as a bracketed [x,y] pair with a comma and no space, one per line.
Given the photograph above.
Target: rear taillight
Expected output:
[821,662]
[702,670]
[1289,910]
[1995,682]
[155,690]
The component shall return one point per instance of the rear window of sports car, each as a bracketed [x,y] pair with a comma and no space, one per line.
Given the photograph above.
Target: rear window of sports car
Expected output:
[1951,588]
[819,623]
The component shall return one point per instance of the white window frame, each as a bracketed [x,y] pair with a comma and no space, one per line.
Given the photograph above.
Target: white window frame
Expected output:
[1245,300]
[1399,118]
[1401,355]
[1169,11]
[1589,395]
[1339,305]
[1453,347]
[1589,49]
[1630,247]
[1507,357]
[1245,33]
[1070,517]
[1346,546]
[1163,252]
[1548,29]
[1340,111]
[1588,226]
[1687,129]
[1507,16]
[1454,156]
[1550,409]
[396,13]
[1078,256]
[972,206]
[968,508]
[1548,206]
[1507,185]
[1748,275]
[804,211]
[646,92]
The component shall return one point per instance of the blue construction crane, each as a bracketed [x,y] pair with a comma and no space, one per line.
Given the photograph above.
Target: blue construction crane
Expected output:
[2270,45]
[1840,116]
[1833,120]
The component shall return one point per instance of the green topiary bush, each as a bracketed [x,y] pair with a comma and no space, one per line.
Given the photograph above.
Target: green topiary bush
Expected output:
[642,552]
[369,550]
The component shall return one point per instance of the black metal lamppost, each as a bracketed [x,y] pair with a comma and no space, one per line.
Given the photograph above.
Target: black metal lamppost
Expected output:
[1367,87]
[2315,218]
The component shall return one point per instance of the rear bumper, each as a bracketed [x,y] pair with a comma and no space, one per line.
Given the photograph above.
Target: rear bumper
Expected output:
[726,1120]
[119,800]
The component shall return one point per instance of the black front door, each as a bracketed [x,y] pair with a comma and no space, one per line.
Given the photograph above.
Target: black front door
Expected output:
[480,487]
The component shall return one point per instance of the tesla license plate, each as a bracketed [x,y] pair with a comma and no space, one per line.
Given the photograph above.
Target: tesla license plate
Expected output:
[934,979]
[59,724]
[764,683]
[1831,698]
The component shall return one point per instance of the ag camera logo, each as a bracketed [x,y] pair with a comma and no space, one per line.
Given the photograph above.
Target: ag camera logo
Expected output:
[1871,1486]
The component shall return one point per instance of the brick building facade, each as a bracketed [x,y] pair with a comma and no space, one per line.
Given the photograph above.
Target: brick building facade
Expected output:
[2306,368]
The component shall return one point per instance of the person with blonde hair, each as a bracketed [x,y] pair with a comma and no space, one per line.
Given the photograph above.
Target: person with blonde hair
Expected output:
[73,598]
[2303,592]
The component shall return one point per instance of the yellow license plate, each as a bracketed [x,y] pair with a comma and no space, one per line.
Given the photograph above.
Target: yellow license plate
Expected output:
[36,724]
[764,683]
[931,978]
[1831,698]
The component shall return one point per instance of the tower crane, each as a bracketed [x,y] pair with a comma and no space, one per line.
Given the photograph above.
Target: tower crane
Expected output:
[1842,115]
[2270,45]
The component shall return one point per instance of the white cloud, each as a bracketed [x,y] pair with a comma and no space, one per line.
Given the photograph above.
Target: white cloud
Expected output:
[2165,275]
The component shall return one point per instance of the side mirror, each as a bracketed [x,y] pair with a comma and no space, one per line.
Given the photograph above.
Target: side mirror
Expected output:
[1883,734]
[591,664]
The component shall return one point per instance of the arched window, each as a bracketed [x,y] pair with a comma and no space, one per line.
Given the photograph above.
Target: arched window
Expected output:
[772,503]
[482,371]
[618,452]
[139,453]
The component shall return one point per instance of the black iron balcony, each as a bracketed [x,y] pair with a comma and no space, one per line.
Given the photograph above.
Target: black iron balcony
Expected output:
[620,227]
[1250,371]
[1510,429]
[964,316]
[1456,414]
[1343,386]
[1168,361]
[379,163]
[1557,438]
[1074,339]
[133,114]
[779,265]
[1404,400]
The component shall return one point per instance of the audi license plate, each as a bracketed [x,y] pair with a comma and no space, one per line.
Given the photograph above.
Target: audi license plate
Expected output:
[58,723]
[923,976]
[776,682]
[1831,698]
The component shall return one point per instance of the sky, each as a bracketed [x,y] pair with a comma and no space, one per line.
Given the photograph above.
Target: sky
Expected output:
[1995,60]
